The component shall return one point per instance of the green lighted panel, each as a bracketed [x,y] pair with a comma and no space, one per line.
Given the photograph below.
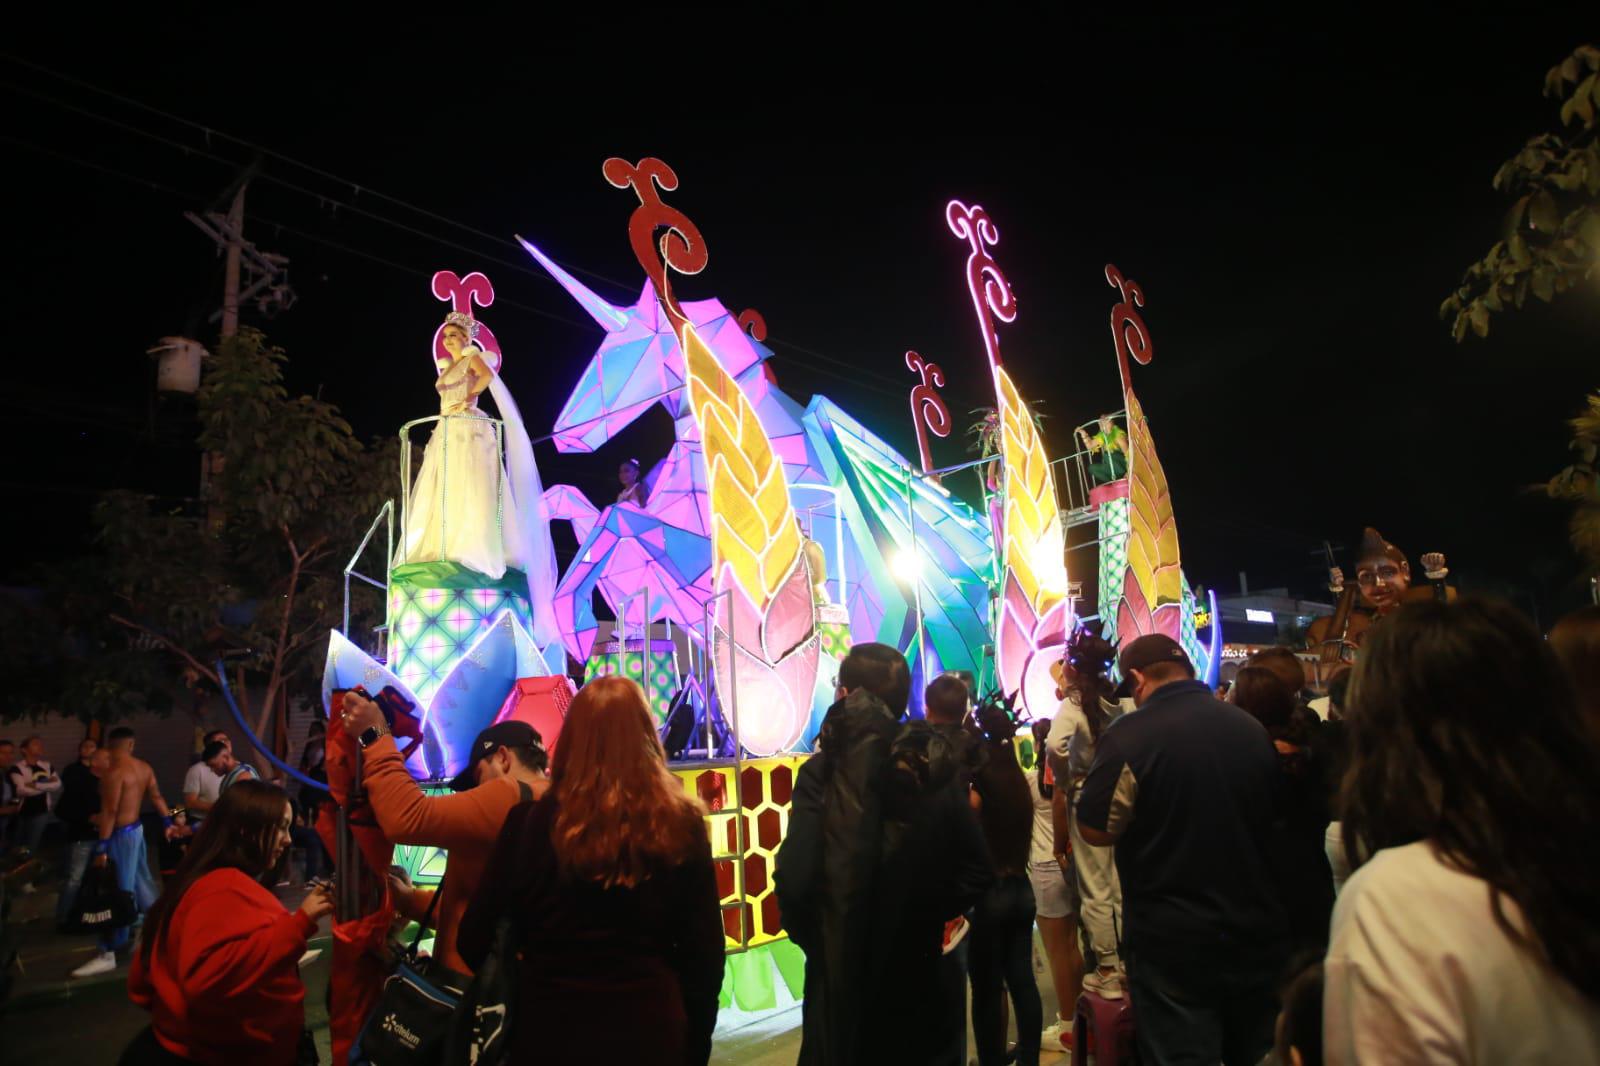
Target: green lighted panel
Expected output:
[1114,529]
[662,683]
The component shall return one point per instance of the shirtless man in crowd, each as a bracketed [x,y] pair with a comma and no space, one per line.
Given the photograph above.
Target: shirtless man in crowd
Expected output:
[123,788]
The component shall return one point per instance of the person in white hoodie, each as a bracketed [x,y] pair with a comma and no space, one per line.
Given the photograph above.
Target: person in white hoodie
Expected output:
[1470,934]
[36,786]
[1082,682]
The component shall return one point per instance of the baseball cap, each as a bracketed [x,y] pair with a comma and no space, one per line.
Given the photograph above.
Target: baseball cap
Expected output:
[1145,652]
[509,734]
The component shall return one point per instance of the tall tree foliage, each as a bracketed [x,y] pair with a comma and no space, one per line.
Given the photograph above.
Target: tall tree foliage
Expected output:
[1552,241]
[255,580]
[1552,244]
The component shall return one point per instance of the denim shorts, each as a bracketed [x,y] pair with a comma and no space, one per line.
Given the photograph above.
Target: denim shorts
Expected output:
[1054,895]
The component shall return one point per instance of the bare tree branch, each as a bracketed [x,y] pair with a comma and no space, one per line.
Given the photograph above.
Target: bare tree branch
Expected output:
[166,642]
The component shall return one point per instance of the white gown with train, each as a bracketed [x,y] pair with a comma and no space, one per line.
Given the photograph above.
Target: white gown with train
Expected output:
[460,508]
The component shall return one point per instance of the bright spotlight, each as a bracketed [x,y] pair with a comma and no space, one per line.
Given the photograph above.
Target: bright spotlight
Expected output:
[907,566]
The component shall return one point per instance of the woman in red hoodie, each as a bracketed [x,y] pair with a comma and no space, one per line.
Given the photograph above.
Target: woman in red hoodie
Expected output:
[218,967]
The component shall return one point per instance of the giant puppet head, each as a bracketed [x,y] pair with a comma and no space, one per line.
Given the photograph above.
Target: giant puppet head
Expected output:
[1382,573]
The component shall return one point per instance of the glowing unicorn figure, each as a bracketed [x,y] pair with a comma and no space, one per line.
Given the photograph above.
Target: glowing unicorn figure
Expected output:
[863,505]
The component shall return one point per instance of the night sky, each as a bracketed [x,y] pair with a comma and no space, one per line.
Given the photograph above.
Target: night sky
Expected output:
[1295,209]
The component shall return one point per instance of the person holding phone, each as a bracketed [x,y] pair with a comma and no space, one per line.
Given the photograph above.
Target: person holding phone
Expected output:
[218,968]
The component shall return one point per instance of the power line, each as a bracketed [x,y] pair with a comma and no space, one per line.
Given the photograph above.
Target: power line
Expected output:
[362,254]
[417,271]
[209,132]
[265,151]
[278,225]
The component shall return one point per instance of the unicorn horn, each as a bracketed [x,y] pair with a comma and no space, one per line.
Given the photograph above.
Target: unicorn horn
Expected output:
[611,319]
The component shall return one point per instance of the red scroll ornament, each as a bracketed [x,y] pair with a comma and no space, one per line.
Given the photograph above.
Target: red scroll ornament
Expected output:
[928,412]
[1127,326]
[754,323]
[991,292]
[681,247]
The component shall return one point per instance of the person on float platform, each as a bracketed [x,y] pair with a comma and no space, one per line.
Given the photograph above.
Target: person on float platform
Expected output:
[1186,789]
[1111,445]
[459,509]
[633,487]
[477,514]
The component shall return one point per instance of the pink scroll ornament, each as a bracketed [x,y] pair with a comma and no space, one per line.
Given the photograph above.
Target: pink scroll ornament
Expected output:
[1127,326]
[461,293]
[991,292]
[681,247]
[928,412]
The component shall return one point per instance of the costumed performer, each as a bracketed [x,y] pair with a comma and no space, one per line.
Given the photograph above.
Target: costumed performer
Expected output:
[470,507]
[1111,445]
[458,504]
[1383,584]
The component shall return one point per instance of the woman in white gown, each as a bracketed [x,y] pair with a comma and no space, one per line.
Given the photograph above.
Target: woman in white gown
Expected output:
[460,508]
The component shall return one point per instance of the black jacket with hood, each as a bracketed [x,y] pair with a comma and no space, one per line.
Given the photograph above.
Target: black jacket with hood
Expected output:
[882,849]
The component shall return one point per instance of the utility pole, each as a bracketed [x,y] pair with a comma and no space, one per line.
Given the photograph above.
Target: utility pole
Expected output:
[247,274]
[230,271]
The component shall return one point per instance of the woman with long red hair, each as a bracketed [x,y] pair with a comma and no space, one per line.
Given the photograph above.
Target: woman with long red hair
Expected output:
[612,896]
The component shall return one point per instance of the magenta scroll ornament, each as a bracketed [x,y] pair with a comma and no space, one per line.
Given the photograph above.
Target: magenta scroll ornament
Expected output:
[461,293]
[991,292]
[928,412]
[681,247]
[1127,326]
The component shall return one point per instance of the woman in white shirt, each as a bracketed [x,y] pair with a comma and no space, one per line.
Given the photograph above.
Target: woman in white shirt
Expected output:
[1471,934]
[1055,892]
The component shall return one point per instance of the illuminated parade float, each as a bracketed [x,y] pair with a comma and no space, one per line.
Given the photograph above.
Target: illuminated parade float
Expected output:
[739,570]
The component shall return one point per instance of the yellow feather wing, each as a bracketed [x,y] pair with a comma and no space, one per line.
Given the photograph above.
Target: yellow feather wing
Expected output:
[752,522]
[1035,547]
[1153,534]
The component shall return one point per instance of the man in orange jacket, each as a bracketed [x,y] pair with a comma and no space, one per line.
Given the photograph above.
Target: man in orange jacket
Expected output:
[503,759]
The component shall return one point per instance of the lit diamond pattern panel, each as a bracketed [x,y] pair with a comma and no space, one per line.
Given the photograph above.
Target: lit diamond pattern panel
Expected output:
[1188,636]
[660,685]
[744,841]
[431,628]
[1113,562]
[835,639]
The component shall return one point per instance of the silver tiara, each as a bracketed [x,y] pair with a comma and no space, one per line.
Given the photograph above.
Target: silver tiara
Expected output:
[466,322]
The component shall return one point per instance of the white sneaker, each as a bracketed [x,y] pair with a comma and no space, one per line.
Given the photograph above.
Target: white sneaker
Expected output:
[1106,986]
[1057,1036]
[105,962]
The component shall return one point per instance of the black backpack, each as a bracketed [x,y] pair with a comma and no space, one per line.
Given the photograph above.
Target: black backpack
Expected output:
[480,1031]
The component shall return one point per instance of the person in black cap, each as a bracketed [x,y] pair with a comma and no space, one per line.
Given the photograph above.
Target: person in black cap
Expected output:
[1185,788]
[506,765]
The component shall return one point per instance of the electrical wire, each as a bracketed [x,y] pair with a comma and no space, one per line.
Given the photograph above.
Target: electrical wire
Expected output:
[272,153]
[889,385]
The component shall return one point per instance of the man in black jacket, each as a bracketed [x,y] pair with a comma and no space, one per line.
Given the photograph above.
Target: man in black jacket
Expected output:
[1186,788]
[78,810]
[882,850]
